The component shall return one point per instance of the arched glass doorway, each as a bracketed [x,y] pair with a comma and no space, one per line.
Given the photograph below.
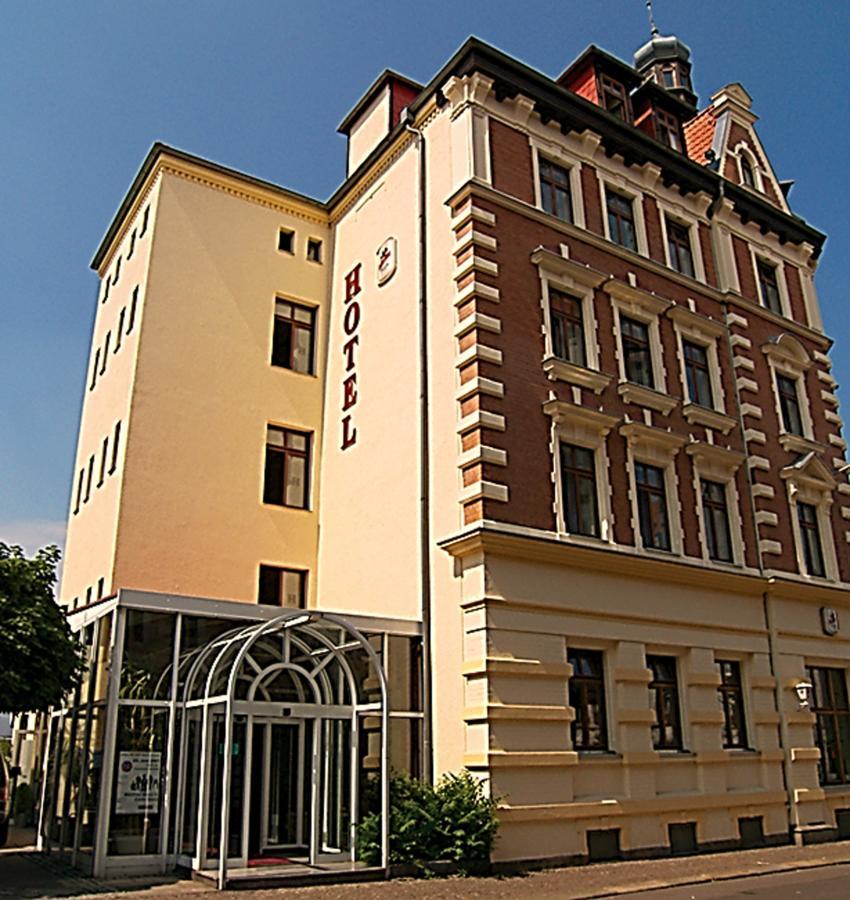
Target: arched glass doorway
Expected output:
[284,723]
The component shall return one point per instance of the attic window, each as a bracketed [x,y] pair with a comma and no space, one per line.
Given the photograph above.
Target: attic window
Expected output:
[667,129]
[748,176]
[614,97]
[314,250]
[286,240]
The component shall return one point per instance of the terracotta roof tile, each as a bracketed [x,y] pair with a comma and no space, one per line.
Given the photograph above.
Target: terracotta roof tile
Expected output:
[699,135]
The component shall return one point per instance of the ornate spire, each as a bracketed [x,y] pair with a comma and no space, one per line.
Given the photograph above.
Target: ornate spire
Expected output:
[653,28]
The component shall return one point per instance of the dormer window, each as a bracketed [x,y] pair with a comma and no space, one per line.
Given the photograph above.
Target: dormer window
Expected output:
[667,129]
[614,98]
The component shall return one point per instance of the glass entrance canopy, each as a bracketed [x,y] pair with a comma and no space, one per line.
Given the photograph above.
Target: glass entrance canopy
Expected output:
[224,736]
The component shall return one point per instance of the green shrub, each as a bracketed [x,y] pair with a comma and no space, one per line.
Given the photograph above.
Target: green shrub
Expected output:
[24,800]
[452,820]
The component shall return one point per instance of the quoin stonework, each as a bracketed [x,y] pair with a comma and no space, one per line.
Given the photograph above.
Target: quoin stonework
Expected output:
[520,453]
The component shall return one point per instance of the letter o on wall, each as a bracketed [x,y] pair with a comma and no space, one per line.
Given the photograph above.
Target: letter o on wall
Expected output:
[352,318]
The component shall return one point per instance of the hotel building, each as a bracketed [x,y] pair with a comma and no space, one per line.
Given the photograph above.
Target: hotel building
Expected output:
[521,453]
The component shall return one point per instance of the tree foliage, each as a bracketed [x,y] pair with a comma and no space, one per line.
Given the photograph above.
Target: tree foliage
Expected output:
[453,820]
[40,660]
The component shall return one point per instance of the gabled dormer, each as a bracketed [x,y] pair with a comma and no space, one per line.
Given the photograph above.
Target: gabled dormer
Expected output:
[723,136]
[375,115]
[604,80]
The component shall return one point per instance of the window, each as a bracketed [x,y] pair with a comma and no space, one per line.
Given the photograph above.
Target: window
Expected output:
[286,240]
[103,359]
[131,321]
[731,696]
[94,369]
[832,715]
[555,197]
[103,454]
[79,491]
[614,98]
[637,354]
[106,286]
[119,331]
[578,480]
[679,247]
[667,129]
[768,286]
[789,404]
[282,587]
[113,465]
[117,273]
[314,250]
[652,506]
[698,374]
[807,517]
[587,697]
[664,698]
[99,588]
[89,474]
[292,339]
[132,244]
[567,327]
[748,176]
[715,513]
[287,468]
[668,77]
[621,220]
[145,221]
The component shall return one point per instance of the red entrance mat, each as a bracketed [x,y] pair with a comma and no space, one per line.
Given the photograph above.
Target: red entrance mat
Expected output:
[269,861]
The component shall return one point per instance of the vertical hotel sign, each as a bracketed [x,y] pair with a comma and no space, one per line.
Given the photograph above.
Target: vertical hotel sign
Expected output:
[350,325]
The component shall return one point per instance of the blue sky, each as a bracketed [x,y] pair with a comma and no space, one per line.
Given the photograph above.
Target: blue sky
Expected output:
[85,89]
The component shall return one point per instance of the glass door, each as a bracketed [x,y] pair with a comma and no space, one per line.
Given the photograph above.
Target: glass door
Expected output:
[235,825]
[335,784]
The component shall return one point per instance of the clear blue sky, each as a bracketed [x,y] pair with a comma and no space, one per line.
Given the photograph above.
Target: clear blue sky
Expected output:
[86,87]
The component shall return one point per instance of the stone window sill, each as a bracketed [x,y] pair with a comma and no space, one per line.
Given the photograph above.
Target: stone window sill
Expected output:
[644,396]
[562,370]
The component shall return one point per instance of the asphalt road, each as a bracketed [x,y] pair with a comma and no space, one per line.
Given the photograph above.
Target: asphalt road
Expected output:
[828,883]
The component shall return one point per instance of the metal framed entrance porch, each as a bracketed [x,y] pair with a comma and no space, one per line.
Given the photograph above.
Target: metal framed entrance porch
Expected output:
[313,669]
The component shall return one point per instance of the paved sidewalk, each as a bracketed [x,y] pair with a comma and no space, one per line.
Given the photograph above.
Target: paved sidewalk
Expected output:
[24,875]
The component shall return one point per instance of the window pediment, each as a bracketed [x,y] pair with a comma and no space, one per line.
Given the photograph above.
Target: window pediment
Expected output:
[579,422]
[647,437]
[713,459]
[693,323]
[787,352]
[567,270]
[563,370]
[636,298]
[809,471]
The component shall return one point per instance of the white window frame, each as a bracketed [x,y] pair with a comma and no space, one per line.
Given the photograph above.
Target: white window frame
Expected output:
[804,488]
[561,273]
[618,185]
[555,154]
[714,463]
[647,308]
[691,326]
[772,259]
[742,150]
[582,427]
[655,447]
[681,217]
[787,356]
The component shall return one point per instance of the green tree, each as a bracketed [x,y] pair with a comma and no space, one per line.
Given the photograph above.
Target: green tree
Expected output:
[40,660]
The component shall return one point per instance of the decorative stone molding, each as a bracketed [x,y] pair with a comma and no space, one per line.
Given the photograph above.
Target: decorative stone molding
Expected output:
[644,396]
[562,370]
[701,415]
[647,436]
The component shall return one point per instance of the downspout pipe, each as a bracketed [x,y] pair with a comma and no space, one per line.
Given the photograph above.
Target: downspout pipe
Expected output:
[767,609]
[424,460]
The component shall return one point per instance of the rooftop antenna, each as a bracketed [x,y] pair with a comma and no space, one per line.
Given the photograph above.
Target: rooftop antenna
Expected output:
[652,26]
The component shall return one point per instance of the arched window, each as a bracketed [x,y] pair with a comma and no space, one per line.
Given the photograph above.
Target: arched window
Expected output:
[748,176]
